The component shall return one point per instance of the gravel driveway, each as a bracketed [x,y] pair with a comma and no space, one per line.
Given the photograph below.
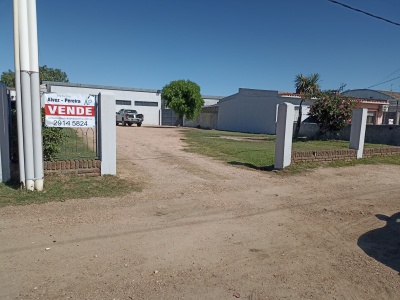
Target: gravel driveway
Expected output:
[202,229]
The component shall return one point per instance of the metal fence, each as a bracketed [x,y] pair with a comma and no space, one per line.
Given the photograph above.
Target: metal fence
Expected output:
[78,143]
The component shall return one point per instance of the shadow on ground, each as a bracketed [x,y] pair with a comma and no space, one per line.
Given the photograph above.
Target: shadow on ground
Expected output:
[251,166]
[383,244]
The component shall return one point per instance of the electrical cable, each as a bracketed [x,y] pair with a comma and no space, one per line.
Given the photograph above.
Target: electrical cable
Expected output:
[384,82]
[392,73]
[364,12]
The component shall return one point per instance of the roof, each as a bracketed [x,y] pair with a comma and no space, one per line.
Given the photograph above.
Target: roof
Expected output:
[394,95]
[363,100]
[373,101]
[119,88]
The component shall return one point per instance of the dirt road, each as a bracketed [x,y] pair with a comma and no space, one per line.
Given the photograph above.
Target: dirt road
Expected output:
[204,230]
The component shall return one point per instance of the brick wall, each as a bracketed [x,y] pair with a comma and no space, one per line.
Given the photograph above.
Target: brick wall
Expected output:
[345,154]
[89,167]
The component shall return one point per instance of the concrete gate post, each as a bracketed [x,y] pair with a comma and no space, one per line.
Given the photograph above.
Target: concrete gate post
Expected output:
[107,136]
[357,133]
[284,135]
[5,173]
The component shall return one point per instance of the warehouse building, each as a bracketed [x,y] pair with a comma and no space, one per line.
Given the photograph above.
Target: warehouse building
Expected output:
[145,101]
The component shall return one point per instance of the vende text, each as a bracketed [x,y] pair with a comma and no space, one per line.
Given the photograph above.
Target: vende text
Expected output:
[69,110]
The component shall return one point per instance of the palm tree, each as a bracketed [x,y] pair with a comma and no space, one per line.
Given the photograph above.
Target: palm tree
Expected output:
[307,87]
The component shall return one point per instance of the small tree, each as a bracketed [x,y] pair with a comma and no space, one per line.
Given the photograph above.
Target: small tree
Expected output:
[8,78]
[332,112]
[307,87]
[45,74]
[183,97]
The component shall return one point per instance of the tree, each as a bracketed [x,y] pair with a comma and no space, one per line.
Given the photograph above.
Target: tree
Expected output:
[183,97]
[50,74]
[307,87]
[52,136]
[332,112]
[8,78]
[45,74]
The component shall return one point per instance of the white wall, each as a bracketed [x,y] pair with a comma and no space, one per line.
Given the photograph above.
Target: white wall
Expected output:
[248,111]
[209,100]
[253,111]
[151,113]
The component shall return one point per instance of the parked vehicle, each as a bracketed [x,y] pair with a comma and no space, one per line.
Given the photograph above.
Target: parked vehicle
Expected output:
[130,117]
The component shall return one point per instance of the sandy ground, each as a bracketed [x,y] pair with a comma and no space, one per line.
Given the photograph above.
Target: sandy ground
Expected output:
[202,229]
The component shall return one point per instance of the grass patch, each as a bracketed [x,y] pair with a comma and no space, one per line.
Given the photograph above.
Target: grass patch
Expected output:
[388,160]
[257,151]
[78,143]
[60,188]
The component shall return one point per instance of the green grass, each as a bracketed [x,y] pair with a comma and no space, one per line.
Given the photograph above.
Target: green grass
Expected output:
[61,188]
[257,151]
[78,144]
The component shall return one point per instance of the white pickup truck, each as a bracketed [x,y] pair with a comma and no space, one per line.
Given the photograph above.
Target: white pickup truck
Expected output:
[130,117]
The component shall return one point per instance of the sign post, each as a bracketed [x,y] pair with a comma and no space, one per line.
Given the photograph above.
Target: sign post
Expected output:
[70,110]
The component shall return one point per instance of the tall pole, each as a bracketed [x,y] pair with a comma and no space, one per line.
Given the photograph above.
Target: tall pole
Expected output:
[35,96]
[26,94]
[21,159]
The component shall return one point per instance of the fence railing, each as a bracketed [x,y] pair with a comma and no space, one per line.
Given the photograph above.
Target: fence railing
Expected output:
[78,143]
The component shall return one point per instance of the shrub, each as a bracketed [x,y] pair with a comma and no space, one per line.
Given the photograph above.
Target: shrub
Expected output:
[332,112]
[52,139]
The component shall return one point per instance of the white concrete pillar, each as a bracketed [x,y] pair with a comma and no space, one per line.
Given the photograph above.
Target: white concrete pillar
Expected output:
[18,102]
[284,135]
[106,134]
[35,97]
[357,133]
[5,173]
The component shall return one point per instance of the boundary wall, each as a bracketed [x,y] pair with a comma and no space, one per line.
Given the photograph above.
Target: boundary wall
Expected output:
[374,134]
[345,154]
[88,167]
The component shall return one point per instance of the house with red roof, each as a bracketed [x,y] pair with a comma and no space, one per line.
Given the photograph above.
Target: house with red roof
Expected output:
[378,114]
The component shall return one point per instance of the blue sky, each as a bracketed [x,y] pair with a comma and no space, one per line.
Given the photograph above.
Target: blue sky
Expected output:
[221,45]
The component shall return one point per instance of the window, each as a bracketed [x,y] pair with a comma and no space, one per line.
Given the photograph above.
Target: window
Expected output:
[371,117]
[145,103]
[123,102]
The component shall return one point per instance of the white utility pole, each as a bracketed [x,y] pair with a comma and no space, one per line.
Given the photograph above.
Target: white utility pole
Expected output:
[35,96]
[21,159]
[28,94]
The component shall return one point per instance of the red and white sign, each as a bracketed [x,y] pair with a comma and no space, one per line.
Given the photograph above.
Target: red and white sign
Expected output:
[70,110]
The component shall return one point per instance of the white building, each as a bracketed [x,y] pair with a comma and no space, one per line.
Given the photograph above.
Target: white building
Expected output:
[255,111]
[145,101]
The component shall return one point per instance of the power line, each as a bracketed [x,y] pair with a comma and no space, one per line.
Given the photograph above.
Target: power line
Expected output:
[364,12]
[384,82]
[392,73]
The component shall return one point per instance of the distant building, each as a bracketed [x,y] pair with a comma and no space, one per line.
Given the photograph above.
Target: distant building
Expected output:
[389,113]
[255,111]
[145,101]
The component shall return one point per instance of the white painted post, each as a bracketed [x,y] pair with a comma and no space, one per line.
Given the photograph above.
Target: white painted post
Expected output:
[26,94]
[18,102]
[284,135]
[35,96]
[357,133]
[107,135]
[5,173]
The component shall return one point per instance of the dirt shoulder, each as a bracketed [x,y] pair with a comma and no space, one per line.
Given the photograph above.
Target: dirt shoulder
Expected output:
[202,229]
